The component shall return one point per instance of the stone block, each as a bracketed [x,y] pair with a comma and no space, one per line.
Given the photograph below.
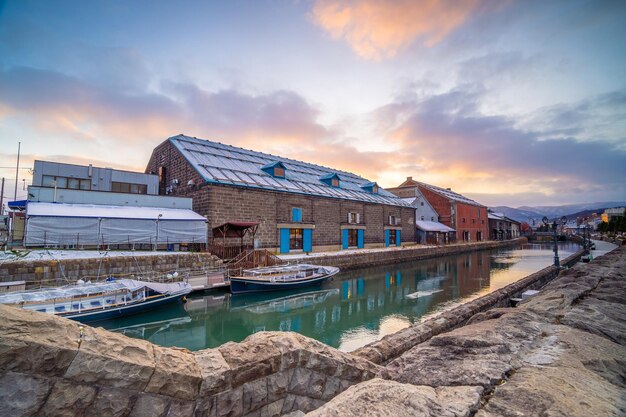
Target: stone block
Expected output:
[176,374]
[230,403]
[307,383]
[68,399]
[254,358]
[150,406]
[22,395]
[110,402]
[277,385]
[255,395]
[215,372]
[36,343]
[113,360]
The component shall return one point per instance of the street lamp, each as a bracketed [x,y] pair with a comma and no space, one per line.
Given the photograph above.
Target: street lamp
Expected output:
[156,243]
[546,222]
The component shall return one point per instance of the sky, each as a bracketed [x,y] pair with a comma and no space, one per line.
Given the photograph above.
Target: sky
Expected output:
[508,102]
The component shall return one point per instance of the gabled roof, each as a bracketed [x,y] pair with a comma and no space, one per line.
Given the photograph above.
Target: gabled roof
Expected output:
[224,164]
[449,194]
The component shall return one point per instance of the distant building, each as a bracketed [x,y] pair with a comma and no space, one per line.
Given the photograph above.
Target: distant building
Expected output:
[502,227]
[298,206]
[456,211]
[76,205]
[428,230]
[613,213]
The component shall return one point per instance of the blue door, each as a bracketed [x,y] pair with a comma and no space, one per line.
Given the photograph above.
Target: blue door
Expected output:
[386,238]
[398,240]
[284,240]
[361,239]
[344,239]
[307,237]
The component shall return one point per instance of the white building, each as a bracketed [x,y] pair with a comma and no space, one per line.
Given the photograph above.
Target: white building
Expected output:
[77,206]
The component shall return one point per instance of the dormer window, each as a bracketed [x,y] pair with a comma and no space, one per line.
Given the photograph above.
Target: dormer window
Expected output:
[275,169]
[371,187]
[330,179]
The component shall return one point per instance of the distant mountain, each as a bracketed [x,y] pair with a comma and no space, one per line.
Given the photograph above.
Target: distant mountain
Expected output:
[524,213]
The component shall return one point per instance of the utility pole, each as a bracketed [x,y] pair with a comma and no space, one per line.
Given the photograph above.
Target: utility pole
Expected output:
[2,198]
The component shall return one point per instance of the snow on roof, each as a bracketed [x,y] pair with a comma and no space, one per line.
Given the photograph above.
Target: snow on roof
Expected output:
[495,216]
[449,194]
[225,164]
[428,226]
[109,212]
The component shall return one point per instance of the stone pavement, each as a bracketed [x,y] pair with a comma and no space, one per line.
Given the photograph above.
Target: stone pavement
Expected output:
[560,353]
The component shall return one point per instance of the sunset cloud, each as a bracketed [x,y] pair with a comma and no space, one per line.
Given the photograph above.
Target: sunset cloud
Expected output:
[378,29]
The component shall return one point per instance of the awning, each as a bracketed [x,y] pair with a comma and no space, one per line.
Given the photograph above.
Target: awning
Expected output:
[17,205]
[234,229]
[427,226]
[109,212]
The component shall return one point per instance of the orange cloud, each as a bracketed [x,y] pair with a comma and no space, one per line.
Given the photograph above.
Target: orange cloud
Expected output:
[378,29]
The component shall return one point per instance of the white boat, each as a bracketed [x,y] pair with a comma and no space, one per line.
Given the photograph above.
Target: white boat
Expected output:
[98,301]
[284,277]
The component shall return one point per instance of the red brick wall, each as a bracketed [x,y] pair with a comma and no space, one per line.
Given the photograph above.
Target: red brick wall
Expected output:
[222,203]
[475,221]
[441,205]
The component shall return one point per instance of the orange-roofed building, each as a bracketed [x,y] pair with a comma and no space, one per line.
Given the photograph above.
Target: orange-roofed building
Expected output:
[463,214]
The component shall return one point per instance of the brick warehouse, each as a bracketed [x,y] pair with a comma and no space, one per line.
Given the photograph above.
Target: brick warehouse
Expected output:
[465,215]
[299,206]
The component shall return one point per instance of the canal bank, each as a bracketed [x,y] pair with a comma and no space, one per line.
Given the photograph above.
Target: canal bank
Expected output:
[361,258]
[561,352]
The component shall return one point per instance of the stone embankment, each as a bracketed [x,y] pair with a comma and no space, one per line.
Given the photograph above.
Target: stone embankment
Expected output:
[363,258]
[53,272]
[559,353]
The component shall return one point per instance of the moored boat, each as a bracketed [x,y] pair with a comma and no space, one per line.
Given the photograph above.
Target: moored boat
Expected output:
[98,301]
[284,277]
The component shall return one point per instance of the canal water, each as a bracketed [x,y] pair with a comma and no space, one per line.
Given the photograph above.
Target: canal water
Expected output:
[356,308]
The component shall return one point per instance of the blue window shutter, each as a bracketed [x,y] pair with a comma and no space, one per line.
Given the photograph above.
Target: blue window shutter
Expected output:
[386,238]
[307,235]
[284,240]
[296,215]
[360,237]
[398,240]
[344,239]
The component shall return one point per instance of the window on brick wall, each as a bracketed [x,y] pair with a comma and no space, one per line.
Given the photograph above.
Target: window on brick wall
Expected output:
[353,238]
[463,220]
[296,239]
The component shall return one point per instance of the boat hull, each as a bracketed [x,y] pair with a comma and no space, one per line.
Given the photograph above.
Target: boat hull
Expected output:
[114,312]
[240,285]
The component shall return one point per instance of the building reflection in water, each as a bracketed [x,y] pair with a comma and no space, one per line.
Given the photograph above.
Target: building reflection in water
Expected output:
[356,308]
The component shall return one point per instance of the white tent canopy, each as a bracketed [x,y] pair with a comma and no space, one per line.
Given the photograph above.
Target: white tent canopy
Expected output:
[87,224]
[427,226]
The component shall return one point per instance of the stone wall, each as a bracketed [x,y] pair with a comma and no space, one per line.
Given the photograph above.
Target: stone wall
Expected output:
[395,344]
[56,272]
[559,353]
[405,254]
[53,366]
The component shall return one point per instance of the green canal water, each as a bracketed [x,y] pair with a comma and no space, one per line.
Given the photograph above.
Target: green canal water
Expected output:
[356,308]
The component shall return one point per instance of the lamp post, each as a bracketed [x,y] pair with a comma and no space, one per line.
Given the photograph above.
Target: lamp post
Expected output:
[546,222]
[156,243]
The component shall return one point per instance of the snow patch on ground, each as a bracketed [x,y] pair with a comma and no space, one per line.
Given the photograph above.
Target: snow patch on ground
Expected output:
[53,255]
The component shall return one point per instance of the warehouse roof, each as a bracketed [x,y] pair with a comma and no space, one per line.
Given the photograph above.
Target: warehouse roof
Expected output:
[109,212]
[225,164]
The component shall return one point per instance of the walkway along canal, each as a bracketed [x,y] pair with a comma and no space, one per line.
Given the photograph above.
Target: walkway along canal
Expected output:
[360,306]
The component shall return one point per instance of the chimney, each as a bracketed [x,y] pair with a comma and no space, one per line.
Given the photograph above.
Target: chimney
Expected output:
[409,178]
[449,189]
